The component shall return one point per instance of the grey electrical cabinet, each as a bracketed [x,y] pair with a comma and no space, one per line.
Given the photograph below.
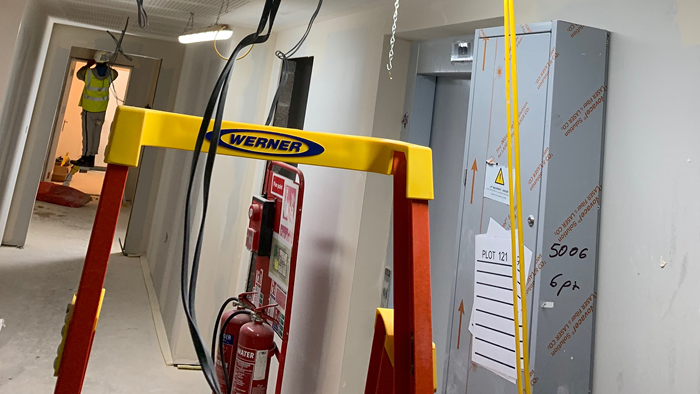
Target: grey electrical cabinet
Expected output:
[562,80]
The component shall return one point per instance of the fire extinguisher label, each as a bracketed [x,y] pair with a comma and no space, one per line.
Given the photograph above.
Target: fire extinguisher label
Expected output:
[260,365]
[251,371]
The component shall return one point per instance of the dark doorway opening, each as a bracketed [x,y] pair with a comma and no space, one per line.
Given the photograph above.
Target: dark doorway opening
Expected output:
[290,113]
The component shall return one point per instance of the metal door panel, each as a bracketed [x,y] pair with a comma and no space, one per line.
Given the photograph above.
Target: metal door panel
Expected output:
[447,140]
[487,131]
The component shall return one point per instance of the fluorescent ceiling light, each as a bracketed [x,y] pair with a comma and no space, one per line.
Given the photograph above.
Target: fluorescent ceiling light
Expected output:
[210,33]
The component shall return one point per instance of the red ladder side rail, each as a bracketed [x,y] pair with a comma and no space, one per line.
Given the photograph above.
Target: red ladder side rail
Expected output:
[413,351]
[81,330]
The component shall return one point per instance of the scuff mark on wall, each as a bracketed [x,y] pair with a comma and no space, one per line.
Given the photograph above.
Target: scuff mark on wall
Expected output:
[686,17]
[620,382]
[672,366]
[681,279]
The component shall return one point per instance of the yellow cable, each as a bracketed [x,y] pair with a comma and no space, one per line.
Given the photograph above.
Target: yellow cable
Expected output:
[513,58]
[516,317]
[246,54]
[224,57]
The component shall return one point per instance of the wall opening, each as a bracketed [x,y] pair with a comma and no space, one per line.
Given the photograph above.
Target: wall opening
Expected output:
[291,108]
[68,128]
[290,113]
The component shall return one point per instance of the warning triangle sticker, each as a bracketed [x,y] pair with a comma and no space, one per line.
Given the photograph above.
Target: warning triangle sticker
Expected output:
[499,178]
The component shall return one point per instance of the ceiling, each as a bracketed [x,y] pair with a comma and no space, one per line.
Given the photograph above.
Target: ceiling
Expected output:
[168,18]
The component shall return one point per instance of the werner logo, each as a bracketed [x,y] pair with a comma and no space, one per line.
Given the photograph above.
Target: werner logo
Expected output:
[267,143]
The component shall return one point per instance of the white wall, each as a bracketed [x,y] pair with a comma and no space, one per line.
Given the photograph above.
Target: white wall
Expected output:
[25,51]
[646,329]
[234,181]
[348,53]
[422,14]
[646,325]
[647,339]
[374,232]
[38,137]
[345,229]
[10,20]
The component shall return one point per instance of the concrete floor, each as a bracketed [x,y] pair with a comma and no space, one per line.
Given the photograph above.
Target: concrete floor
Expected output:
[38,281]
[89,182]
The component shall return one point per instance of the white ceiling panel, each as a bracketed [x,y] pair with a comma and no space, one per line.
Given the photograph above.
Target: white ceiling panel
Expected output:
[168,18]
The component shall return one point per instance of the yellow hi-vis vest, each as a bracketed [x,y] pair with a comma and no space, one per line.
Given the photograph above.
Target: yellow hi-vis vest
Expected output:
[96,92]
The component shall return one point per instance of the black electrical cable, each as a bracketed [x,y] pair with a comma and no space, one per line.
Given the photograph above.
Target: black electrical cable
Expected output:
[117,51]
[217,100]
[188,293]
[143,16]
[218,319]
[285,64]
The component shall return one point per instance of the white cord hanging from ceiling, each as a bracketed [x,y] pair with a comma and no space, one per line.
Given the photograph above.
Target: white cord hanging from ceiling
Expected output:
[389,66]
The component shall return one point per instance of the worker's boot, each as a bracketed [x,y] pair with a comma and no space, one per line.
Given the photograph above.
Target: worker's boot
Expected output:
[84,161]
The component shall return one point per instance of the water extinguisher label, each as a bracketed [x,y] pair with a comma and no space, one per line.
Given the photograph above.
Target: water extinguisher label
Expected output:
[250,371]
[260,365]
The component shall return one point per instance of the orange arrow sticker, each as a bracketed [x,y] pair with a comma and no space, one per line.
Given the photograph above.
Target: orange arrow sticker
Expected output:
[474,170]
[483,65]
[461,313]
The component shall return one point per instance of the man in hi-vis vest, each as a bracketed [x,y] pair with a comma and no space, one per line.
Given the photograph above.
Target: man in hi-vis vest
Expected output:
[94,102]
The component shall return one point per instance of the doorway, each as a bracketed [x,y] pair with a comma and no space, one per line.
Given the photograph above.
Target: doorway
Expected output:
[448,137]
[140,75]
[68,131]
[436,107]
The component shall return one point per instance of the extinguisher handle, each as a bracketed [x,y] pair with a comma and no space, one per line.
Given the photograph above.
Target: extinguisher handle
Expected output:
[262,308]
[260,312]
[244,301]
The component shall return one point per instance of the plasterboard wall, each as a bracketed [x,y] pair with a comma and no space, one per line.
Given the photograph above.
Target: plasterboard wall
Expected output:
[650,184]
[25,38]
[374,232]
[646,337]
[417,15]
[348,53]
[345,230]
[10,20]
[63,37]
[224,257]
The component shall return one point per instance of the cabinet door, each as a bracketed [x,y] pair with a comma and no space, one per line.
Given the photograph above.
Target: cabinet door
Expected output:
[487,142]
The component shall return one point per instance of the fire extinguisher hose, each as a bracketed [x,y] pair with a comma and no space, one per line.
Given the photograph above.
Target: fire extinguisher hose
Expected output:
[229,385]
[218,319]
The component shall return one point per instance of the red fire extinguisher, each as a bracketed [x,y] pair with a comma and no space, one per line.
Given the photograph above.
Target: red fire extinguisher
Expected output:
[256,346]
[231,323]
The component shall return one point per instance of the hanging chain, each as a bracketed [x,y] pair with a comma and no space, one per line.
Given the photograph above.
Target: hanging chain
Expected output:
[393,39]
[221,10]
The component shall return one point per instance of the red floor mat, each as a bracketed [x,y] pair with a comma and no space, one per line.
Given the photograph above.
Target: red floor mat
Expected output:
[61,195]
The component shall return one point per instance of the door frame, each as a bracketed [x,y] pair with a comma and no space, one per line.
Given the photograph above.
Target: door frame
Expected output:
[61,113]
[21,211]
[429,60]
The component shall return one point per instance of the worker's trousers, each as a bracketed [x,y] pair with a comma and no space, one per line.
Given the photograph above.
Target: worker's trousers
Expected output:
[92,130]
